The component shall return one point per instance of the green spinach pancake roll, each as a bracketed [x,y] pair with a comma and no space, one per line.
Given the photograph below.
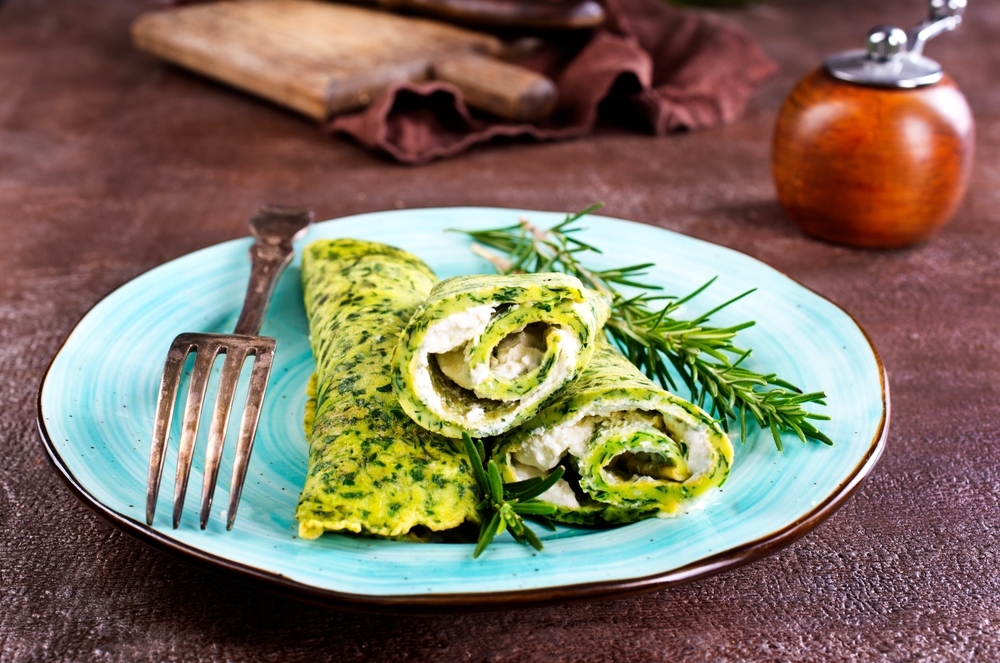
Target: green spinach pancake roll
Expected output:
[484,353]
[631,450]
[371,469]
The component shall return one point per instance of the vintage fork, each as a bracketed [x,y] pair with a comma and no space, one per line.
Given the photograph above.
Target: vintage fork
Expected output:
[273,227]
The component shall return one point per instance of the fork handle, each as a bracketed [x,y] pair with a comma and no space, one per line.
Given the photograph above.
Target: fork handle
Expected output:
[273,227]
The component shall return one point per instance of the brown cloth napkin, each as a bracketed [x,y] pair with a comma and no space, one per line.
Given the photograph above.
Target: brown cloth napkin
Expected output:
[653,65]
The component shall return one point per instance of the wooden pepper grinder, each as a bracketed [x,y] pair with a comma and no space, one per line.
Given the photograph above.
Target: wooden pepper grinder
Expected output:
[874,148]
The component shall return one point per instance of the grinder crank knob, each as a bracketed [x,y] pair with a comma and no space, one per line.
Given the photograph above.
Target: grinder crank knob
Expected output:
[885,43]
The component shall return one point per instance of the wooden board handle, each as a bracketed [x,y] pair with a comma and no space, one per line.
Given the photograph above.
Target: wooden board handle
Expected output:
[503,89]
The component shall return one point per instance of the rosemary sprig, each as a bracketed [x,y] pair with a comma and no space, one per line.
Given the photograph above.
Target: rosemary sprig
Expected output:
[706,358]
[504,506]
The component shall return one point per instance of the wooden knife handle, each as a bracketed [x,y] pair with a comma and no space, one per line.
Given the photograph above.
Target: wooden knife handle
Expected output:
[503,89]
[535,14]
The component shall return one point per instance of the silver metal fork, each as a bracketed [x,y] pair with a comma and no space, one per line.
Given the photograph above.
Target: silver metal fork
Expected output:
[273,227]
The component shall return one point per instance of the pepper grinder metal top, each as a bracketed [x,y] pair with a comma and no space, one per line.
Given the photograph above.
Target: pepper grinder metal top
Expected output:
[893,57]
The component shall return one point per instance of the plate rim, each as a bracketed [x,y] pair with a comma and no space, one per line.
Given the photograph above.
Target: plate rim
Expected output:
[451,602]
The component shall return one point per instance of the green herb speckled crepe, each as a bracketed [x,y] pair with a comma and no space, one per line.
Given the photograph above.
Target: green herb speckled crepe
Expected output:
[371,469]
[484,353]
[631,450]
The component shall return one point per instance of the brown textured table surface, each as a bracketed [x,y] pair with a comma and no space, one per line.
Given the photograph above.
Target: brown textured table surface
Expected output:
[111,163]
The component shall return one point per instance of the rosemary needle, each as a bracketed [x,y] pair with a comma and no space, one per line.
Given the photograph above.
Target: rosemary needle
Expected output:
[706,359]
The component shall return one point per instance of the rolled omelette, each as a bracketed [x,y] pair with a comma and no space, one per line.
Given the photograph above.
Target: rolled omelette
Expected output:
[631,449]
[484,353]
[371,469]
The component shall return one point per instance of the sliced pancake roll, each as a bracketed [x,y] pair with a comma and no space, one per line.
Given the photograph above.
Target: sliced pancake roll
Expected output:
[484,353]
[371,469]
[631,450]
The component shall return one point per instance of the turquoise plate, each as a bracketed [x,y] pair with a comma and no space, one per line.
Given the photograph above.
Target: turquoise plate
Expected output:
[96,408]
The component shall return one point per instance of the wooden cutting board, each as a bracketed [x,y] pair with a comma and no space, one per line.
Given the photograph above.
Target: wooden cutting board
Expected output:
[321,58]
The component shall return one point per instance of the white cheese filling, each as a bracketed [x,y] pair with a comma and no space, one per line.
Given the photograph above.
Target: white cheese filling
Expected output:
[543,450]
[516,355]
[560,493]
[699,457]
[442,337]
[457,329]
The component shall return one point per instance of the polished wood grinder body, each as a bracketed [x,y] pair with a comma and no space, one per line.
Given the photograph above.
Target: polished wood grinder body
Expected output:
[870,166]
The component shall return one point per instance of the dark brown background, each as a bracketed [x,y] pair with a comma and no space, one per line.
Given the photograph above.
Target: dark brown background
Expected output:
[111,163]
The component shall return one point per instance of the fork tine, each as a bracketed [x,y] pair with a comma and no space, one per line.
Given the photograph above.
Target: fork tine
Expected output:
[248,427]
[189,430]
[217,430]
[164,416]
